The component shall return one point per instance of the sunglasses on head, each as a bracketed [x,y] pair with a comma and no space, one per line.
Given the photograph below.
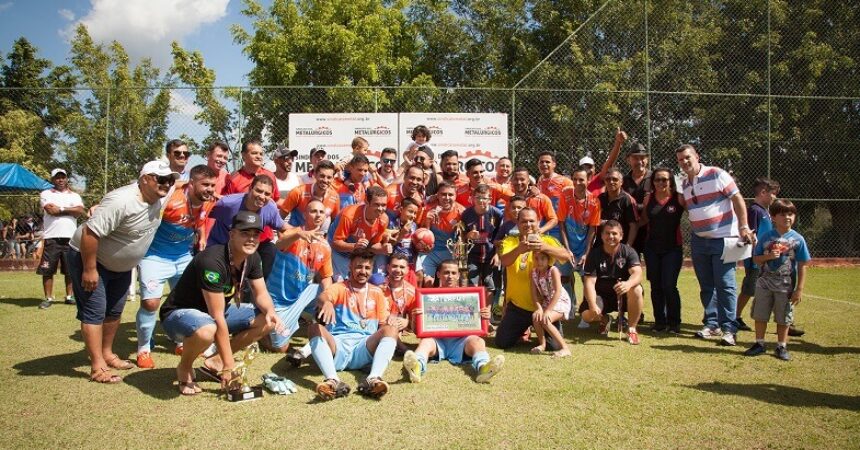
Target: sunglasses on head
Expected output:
[420,159]
[164,179]
[181,154]
[387,161]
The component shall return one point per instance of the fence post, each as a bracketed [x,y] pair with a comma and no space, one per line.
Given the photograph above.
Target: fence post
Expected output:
[107,142]
[513,152]
[241,127]
[769,35]
[647,91]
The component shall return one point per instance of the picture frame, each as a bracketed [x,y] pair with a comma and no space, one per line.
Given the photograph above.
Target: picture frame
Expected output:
[450,312]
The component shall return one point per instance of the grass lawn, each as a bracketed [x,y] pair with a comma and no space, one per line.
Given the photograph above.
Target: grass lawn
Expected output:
[669,392]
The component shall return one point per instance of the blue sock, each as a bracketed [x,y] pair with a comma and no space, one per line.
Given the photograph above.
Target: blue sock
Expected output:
[382,356]
[479,359]
[324,358]
[145,325]
[422,360]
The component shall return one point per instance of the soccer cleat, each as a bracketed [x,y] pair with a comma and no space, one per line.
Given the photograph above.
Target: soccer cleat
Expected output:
[69,300]
[633,337]
[708,333]
[412,366]
[294,358]
[728,340]
[782,353]
[755,350]
[177,350]
[605,325]
[144,360]
[742,326]
[373,387]
[332,388]
[46,303]
[490,369]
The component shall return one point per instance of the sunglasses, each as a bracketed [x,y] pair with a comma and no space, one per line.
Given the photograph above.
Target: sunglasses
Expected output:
[661,180]
[420,159]
[181,154]
[387,161]
[164,179]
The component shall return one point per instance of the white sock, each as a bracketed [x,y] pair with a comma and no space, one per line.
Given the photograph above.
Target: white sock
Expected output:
[306,350]
[759,341]
[780,344]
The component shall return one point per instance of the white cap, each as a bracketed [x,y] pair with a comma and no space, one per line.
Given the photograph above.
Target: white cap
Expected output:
[158,168]
[58,170]
[586,160]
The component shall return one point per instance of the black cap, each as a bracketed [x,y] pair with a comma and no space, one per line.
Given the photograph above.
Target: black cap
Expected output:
[316,150]
[426,149]
[637,149]
[246,220]
[281,152]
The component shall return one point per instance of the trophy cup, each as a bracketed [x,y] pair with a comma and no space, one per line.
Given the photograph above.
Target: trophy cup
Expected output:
[239,389]
[460,248]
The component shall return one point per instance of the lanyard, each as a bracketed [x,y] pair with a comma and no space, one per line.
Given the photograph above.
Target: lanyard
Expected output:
[237,297]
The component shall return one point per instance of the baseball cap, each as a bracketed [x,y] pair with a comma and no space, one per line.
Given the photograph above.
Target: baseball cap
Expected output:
[282,151]
[586,160]
[247,220]
[58,171]
[426,149]
[159,168]
[637,149]
[316,150]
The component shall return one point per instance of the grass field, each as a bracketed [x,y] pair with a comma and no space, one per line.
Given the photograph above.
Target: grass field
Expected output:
[669,392]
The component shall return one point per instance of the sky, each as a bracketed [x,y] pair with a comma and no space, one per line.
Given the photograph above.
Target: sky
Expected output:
[144,27]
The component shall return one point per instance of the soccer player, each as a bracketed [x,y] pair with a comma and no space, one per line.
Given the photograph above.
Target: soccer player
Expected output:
[475,173]
[353,332]
[360,227]
[321,189]
[551,184]
[442,217]
[353,189]
[456,350]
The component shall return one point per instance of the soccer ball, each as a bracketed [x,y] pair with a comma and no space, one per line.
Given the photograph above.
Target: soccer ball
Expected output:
[423,240]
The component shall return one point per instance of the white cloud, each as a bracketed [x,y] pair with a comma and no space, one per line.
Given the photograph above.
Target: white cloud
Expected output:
[5,6]
[183,105]
[147,27]
[66,14]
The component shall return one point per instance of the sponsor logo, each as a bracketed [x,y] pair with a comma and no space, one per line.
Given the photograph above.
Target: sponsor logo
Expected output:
[486,131]
[378,131]
[318,131]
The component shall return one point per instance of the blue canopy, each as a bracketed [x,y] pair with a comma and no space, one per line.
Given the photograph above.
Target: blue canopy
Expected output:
[14,177]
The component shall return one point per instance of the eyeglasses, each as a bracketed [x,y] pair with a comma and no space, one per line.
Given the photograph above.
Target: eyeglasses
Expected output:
[482,199]
[181,154]
[164,179]
[612,179]
[388,161]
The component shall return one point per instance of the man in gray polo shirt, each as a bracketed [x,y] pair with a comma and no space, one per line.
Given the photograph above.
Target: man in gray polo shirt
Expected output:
[102,253]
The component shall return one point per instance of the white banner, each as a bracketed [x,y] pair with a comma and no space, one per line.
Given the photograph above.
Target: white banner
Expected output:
[482,136]
[335,132]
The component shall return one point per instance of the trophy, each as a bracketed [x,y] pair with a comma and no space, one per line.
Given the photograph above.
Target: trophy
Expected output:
[460,248]
[243,391]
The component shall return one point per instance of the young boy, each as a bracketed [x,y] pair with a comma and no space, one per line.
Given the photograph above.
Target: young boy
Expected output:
[455,350]
[759,221]
[782,255]
[481,221]
[400,230]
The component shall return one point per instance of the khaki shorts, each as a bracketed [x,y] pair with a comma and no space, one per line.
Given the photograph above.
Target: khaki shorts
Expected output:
[767,301]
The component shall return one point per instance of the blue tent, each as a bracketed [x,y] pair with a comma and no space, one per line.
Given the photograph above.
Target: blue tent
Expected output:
[14,178]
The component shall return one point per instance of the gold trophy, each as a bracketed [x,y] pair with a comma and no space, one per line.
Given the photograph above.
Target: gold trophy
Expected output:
[239,389]
[460,247]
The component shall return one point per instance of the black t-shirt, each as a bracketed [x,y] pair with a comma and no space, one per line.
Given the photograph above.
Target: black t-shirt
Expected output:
[610,268]
[664,224]
[487,226]
[209,270]
[638,191]
[622,209]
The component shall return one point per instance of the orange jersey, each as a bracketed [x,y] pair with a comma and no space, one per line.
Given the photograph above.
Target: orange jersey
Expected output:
[395,196]
[349,193]
[401,301]
[356,310]
[541,204]
[498,193]
[352,226]
[182,225]
[445,223]
[297,201]
[576,216]
[552,187]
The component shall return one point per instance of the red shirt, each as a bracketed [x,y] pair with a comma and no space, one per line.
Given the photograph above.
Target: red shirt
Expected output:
[240,182]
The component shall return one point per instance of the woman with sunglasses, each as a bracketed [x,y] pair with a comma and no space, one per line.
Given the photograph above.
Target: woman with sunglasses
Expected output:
[662,210]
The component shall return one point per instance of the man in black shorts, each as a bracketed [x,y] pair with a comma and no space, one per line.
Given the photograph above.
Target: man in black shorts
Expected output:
[206,307]
[612,270]
[61,209]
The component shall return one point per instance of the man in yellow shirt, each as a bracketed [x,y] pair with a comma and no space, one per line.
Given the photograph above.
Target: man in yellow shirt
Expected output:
[516,257]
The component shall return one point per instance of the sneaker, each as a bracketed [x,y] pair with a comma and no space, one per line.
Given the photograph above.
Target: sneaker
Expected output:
[605,325]
[373,387]
[742,326]
[728,340]
[782,353]
[331,388]
[490,369]
[583,325]
[675,329]
[708,333]
[294,358]
[70,300]
[177,350]
[793,331]
[144,360]
[633,338]
[658,328]
[46,303]
[755,350]
[412,366]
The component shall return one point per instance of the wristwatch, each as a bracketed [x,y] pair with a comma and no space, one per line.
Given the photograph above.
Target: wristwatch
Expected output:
[62,208]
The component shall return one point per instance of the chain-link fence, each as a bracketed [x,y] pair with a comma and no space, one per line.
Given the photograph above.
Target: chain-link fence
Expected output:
[757,86]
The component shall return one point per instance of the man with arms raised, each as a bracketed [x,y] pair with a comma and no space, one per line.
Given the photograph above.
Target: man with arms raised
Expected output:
[207,307]
[102,253]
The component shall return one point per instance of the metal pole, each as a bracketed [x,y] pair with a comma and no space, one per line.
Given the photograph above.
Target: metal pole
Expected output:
[769,36]
[107,142]
[647,91]
[513,152]
[241,126]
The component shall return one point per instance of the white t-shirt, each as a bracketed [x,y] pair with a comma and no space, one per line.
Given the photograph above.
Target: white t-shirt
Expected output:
[285,186]
[59,226]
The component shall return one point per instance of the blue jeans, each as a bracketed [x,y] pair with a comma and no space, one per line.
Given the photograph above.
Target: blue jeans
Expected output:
[663,269]
[718,288]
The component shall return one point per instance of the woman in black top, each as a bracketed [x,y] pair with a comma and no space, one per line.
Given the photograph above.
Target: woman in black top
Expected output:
[664,253]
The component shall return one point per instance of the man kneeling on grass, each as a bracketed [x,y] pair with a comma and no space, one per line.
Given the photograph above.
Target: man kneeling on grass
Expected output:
[455,350]
[198,311]
[354,332]
[612,274]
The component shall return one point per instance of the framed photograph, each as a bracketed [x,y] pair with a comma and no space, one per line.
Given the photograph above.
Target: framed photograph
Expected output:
[450,312]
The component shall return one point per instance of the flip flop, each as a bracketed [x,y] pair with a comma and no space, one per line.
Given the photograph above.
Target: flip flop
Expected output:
[104,376]
[211,374]
[121,365]
[195,389]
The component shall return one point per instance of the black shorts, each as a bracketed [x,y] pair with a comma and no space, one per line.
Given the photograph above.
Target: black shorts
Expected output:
[53,255]
[609,299]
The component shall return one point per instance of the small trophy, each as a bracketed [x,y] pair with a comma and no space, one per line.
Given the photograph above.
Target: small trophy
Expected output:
[239,389]
[460,248]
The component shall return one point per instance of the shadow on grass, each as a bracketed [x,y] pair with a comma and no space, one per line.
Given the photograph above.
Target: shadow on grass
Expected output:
[61,365]
[27,302]
[794,346]
[782,395]
[156,383]
[710,347]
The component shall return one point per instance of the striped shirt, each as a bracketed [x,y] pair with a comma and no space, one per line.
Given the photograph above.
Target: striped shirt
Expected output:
[709,203]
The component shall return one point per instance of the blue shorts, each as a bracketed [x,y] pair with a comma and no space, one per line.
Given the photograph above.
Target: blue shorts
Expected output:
[108,299]
[182,323]
[432,260]
[452,349]
[290,315]
[155,271]
[351,352]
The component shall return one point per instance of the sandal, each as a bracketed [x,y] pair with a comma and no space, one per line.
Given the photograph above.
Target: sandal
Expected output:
[119,364]
[537,350]
[212,374]
[104,376]
[195,388]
